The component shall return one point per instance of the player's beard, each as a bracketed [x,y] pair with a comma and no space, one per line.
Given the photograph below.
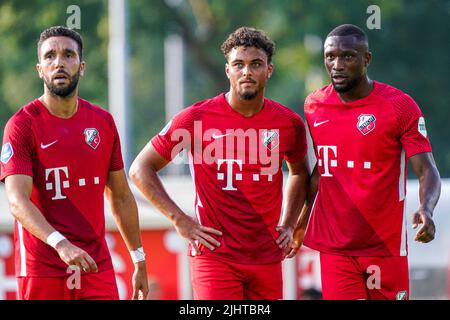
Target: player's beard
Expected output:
[346,87]
[248,95]
[66,90]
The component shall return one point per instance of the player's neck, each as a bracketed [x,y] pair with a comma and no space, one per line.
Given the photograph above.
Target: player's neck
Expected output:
[247,108]
[61,107]
[361,90]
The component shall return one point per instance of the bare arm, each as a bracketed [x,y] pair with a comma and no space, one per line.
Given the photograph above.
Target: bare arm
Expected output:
[302,223]
[296,190]
[143,173]
[125,212]
[18,191]
[425,169]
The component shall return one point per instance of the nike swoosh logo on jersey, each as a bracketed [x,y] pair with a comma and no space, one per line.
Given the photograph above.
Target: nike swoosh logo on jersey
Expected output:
[217,136]
[316,124]
[45,146]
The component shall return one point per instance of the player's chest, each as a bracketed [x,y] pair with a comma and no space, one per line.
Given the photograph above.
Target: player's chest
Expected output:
[72,142]
[364,127]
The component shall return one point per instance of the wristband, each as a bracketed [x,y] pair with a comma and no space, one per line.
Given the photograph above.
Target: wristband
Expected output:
[54,238]
[137,255]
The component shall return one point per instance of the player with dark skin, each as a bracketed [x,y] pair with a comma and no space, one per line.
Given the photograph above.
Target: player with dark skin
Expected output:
[346,60]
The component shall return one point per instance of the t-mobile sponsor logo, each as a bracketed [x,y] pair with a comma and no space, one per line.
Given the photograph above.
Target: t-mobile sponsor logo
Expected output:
[233,172]
[58,179]
[208,146]
[328,158]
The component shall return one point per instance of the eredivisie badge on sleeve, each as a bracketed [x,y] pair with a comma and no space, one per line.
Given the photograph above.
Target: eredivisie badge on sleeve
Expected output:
[270,139]
[7,152]
[92,137]
[366,123]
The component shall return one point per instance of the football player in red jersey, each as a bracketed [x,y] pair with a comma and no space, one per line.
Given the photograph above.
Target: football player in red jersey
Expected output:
[60,155]
[363,131]
[235,142]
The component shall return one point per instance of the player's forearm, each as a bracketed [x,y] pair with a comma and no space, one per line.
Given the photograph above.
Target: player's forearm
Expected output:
[429,188]
[149,183]
[296,191]
[29,216]
[125,214]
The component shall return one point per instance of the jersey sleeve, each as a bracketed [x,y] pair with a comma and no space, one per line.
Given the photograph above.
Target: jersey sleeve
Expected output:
[17,148]
[116,162]
[175,136]
[299,147]
[413,133]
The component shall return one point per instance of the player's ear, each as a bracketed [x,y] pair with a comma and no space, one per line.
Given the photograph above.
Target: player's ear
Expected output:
[39,70]
[227,70]
[82,66]
[270,68]
[367,58]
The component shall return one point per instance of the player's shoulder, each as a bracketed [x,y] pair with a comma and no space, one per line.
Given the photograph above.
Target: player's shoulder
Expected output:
[94,108]
[319,95]
[25,116]
[282,111]
[198,109]
[399,99]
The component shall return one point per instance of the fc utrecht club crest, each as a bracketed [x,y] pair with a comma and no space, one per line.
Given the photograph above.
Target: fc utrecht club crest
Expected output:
[401,295]
[92,137]
[366,123]
[271,139]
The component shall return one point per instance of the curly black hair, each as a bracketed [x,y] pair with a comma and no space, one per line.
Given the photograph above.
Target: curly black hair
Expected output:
[249,37]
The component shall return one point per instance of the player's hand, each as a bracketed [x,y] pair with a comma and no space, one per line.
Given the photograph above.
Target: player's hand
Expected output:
[140,282]
[299,235]
[427,231]
[75,256]
[197,234]
[285,237]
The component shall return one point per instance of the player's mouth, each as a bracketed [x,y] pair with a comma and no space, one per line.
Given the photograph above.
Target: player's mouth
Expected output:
[61,76]
[339,78]
[249,81]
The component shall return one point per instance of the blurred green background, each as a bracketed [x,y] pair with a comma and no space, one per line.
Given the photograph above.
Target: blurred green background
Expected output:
[410,52]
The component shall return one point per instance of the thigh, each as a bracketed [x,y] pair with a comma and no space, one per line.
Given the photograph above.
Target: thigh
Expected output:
[214,279]
[99,286]
[42,288]
[387,277]
[342,278]
[264,282]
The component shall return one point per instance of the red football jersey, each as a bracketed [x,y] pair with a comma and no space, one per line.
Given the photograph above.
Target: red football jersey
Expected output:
[361,149]
[236,164]
[69,160]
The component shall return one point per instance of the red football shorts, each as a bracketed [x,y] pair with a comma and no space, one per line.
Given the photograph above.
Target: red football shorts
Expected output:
[370,278]
[214,279]
[91,286]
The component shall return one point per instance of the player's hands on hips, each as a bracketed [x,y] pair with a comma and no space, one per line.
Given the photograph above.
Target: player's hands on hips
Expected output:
[427,231]
[197,234]
[299,235]
[285,237]
[75,256]
[140,282]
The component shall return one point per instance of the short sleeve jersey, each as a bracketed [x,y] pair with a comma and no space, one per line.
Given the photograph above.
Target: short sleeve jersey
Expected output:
[69,161]
[361,149]
[236,164]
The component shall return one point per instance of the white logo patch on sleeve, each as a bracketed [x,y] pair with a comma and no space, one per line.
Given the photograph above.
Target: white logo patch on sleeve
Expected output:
[7,153]
[421,127]
[166,128]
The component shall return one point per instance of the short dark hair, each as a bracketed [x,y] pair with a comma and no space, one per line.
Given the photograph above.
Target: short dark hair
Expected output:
[60,31]
[249,37]
[349,30]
